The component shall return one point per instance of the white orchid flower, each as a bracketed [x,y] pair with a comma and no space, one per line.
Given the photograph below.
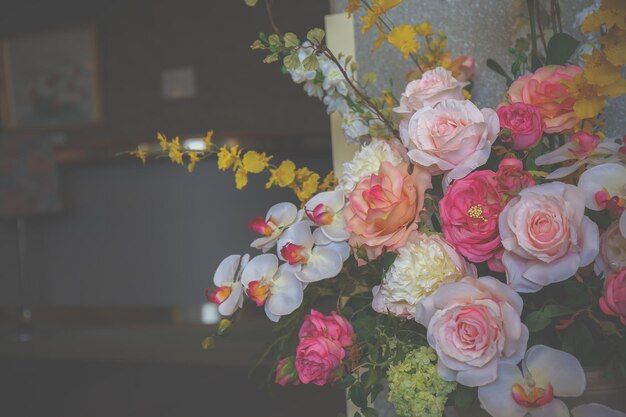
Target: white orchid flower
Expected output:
[546,373]
[326,211]
[604,187]
[596,410]
[315,262]
[606,151]
[277,288]
[278,217]
[228,292]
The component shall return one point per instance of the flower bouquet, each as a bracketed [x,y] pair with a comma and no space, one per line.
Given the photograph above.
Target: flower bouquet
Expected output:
[472,256]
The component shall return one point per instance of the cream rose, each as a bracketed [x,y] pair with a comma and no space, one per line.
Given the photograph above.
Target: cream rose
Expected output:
[433,87]
[453,137]
[546,236]
[424,264]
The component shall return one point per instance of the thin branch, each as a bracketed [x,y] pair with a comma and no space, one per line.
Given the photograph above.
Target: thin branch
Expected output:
[324,49]
[539,26]
[270,15]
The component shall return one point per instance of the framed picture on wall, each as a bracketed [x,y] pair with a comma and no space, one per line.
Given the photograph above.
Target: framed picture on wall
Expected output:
[50,80]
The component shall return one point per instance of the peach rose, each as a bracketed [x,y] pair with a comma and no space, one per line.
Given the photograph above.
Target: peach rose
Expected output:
[433,87]
[474,325]
[545,90]
[546,236]
[453,137]
[382,208]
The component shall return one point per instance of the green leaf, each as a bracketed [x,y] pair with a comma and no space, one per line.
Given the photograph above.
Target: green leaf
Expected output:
[494,66]
[575,294]
[556,310]
[271,58]
[463,396]
[369,78]
[388,259]
[362,254]
[274,40]
[292,61]
[369,412]
[291,40]
[532,155]
[537,321]
[311,63]
[560,48]
[345,382]
[251,3]
[358,397]
[370,378]
[577,340]
[258,44]
[316,36]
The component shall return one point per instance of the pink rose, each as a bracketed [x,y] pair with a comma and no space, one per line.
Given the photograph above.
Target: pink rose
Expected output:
[545,89]
[383,207]
[453,137]
[525,123]
[474,325]
[318,359]
[334,327]
[613,302]
[286,373]
[512,178]
[433,87]
[469,213]
[546,236]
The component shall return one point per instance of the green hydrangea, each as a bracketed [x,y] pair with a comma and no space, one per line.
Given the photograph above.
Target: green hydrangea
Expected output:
[415,387]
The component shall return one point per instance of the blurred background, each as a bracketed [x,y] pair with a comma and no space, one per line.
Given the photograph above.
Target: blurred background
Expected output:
[103,261]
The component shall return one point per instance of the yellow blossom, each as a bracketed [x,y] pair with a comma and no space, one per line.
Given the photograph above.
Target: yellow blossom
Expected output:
[353,6]
[175,153]
[424,29]
[403,38]
[228,157]
[611,13]
[589,101]
[208,140]
[162,141]
[140,153]
[467,95]
[241,178]
[329,182]
[282,176]
[193,160]
[598,71]
[381,37]
[615,46]
[255,162]
[309,186]
[376,10]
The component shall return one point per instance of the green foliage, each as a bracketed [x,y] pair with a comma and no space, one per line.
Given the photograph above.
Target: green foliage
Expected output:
[537,321]
[463,396]
[251,3]
[316,36]
[497,68]
[560,48]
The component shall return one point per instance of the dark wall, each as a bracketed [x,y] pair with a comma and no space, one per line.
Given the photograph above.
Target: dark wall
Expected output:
[137,39]
[154,235]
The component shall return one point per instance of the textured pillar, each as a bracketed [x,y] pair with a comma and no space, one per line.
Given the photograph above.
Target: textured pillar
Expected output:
[482,28]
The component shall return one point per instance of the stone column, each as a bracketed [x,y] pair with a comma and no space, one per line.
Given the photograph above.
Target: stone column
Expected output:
[482,28]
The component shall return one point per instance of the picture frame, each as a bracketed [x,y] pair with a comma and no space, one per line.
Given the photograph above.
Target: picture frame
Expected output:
[50,80]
